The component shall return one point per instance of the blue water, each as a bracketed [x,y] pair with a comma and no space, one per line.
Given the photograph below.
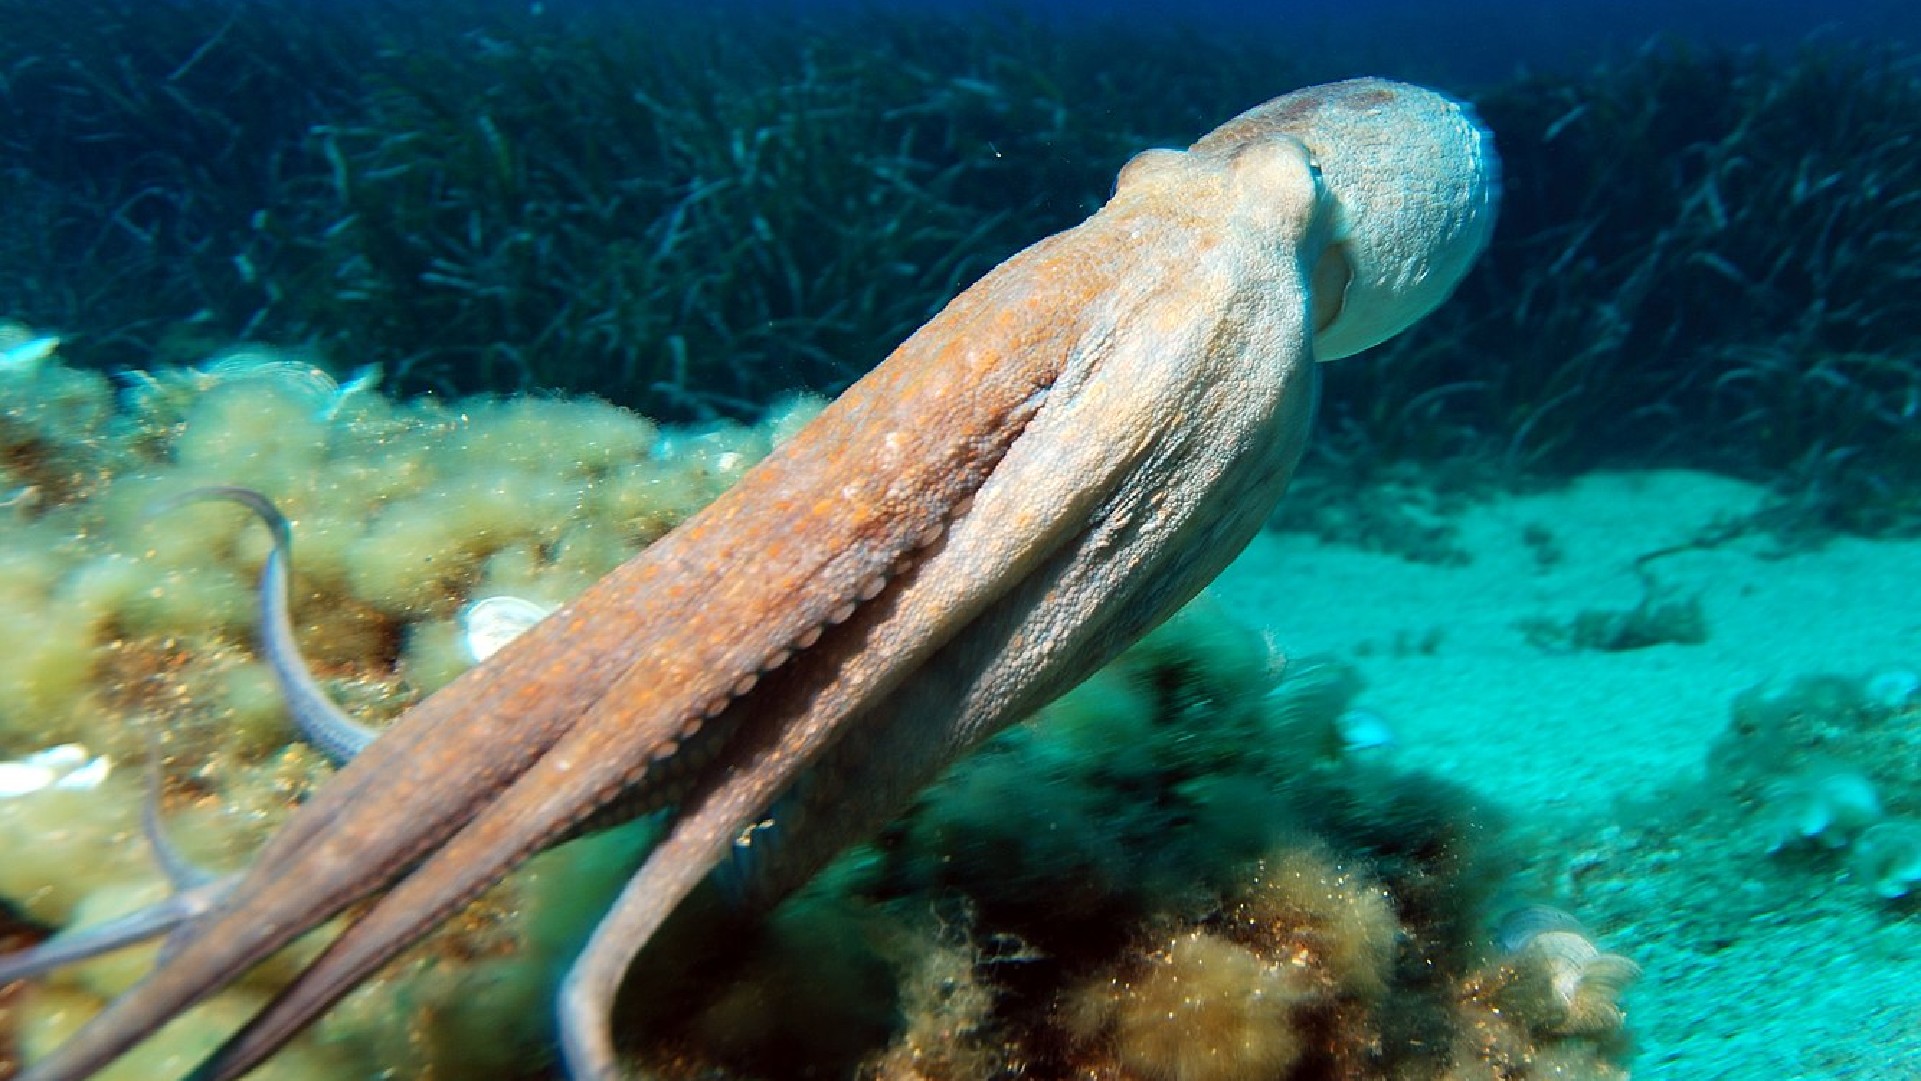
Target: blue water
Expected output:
[1474,40]
[1557,543]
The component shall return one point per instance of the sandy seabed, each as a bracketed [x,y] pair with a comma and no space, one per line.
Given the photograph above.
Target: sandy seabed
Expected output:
[1582,749]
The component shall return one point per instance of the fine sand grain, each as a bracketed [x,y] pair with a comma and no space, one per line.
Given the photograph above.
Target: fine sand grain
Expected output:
[1583,747]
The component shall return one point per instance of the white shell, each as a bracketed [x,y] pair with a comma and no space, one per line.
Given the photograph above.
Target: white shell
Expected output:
[245,363]
[1363,730]
[1893,688]
[27,355]
[65,766]
[491,623]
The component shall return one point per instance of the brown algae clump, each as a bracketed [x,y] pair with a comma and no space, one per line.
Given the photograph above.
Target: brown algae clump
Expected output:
[1304,942]
[1201,1008]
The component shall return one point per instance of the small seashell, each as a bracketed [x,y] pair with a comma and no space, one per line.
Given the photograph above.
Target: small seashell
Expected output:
[1363,730]
[1893,688]
[27,355]
[1822,804]
[263,364]
[1585,983]
[22,348]
[249,363]
[1888,857]
[491,623]
[1795,814]
[87,777]
[64,766]
[20,778]
[1523,925]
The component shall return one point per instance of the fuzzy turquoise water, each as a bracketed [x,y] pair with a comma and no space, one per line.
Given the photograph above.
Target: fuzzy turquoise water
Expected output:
[1563,722]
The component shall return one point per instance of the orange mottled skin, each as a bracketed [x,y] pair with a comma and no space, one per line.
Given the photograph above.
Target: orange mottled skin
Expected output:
[1058,460]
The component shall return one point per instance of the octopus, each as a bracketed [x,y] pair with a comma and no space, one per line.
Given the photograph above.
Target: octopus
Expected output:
[1058,460]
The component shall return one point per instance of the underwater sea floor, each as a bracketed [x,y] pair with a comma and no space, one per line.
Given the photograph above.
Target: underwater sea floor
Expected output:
[1756,964]
[1699,736]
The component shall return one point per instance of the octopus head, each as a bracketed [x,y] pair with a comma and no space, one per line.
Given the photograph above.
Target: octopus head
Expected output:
[1413,182]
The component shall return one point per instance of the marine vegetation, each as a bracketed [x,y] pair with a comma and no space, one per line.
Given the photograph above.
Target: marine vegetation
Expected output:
[682,212]
[1190,822]
[1706,258]
[1707,255]
[1824,767]
[125,626]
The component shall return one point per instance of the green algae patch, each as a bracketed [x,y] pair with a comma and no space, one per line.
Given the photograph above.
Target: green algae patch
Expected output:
[128,619]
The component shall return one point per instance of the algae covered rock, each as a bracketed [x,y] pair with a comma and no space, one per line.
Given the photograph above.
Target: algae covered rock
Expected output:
[128,623]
